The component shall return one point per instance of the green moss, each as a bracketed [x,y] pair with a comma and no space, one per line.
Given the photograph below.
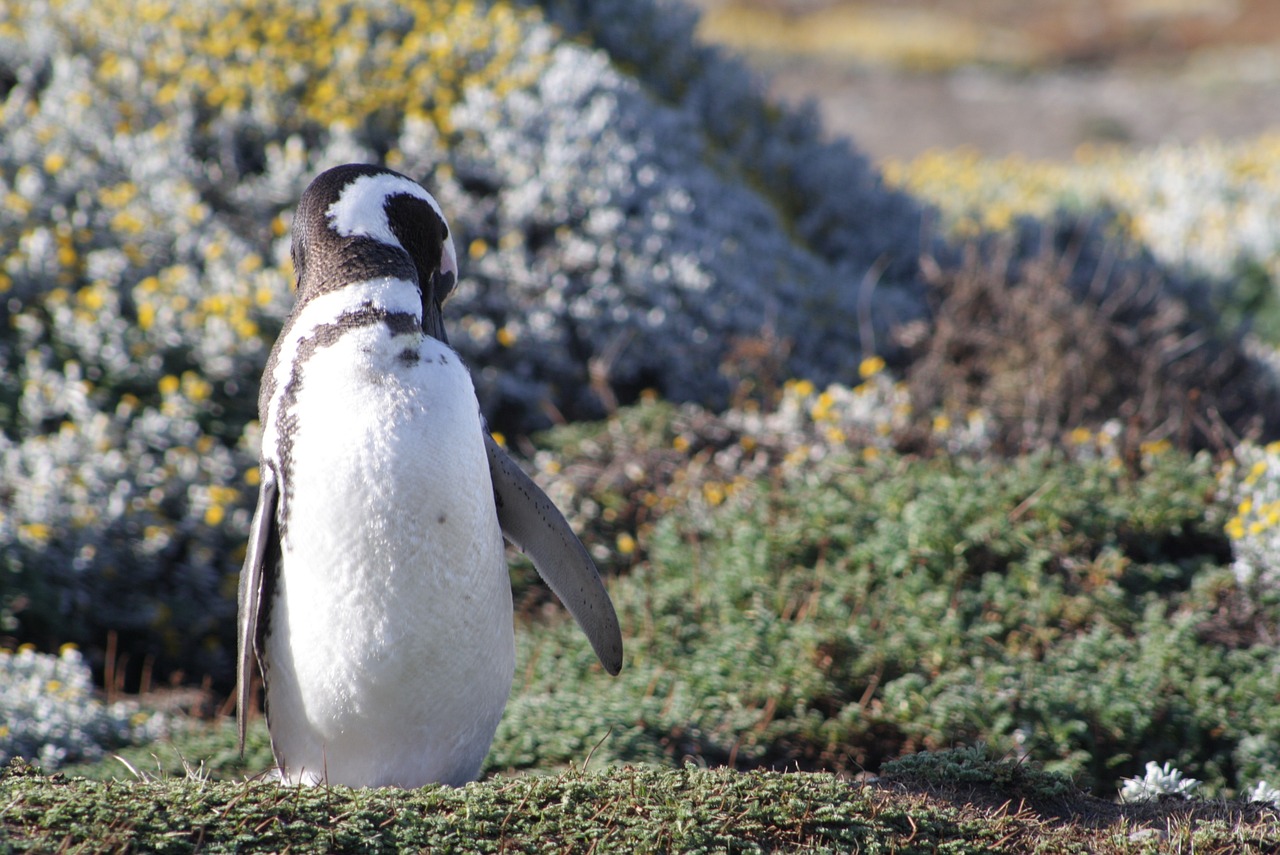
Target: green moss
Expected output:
[630,810]
[623,810]
[976,766]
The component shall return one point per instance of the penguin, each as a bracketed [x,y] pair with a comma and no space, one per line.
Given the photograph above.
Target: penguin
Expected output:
[374,597]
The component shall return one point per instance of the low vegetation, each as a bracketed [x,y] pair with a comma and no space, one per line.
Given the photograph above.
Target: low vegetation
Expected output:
[921,540]
[961,802]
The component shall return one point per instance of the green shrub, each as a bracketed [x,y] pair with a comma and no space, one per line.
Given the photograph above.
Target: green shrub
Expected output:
[836,613]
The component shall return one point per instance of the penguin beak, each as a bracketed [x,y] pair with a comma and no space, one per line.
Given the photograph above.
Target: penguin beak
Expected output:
[439,286]
[433,313]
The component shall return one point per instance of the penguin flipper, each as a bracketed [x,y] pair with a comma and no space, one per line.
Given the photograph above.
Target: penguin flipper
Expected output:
[260,560]
[532,522]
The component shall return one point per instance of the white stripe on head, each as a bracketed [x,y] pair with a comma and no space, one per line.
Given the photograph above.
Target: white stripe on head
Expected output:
[360,209]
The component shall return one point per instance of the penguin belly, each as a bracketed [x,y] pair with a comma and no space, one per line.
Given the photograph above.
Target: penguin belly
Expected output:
[389,648]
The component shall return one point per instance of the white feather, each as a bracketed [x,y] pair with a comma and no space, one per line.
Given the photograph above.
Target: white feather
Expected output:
[395,295]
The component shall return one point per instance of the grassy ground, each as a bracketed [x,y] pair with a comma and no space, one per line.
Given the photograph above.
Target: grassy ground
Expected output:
[843,611]
[956,802]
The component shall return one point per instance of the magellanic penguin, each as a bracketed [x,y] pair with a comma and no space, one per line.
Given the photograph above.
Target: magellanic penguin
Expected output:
[374,594]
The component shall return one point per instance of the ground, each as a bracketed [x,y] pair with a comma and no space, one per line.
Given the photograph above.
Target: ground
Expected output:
[1038,78]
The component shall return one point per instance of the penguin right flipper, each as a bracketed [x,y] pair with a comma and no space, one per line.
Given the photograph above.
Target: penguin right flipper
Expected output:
[260,561]
[532,522]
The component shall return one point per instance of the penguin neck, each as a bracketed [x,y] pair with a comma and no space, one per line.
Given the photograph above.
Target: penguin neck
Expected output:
[388,294]
[325,313]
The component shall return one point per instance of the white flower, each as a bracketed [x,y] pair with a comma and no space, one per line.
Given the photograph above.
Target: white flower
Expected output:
[1158,781]
[1264,792]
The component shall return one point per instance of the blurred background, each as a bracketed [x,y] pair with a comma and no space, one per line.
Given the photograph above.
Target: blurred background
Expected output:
[1038,78]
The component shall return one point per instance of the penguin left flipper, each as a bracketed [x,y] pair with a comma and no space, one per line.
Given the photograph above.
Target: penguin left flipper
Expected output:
[532,522]
[260,561]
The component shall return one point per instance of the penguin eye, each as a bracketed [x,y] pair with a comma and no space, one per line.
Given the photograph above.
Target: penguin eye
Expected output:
[422,232]
[445,279]
[442,284]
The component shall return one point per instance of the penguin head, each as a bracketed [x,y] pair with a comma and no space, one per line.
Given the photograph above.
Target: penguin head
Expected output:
[358,222]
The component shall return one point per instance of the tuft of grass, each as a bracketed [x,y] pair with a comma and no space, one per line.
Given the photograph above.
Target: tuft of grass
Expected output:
[210,750]
[978,769]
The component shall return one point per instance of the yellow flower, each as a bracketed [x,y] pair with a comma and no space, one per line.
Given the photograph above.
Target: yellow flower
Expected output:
[39,532]
[196,387]
[870,367]
[223,495]
[796,456]
[1080,436]
[801,388]
[128,222]
[626,543]
[823,406]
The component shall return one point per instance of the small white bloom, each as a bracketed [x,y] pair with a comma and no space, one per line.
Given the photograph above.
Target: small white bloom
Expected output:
[1264,792]
[1158,781]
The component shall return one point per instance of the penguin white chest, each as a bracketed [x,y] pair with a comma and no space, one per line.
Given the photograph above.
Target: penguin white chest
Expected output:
[389,642]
